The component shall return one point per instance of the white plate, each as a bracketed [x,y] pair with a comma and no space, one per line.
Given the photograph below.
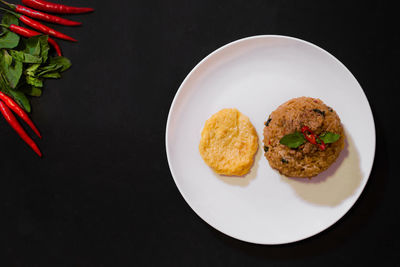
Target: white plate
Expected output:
[256,75]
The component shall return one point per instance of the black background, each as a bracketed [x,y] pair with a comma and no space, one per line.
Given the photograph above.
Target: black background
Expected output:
[103,195]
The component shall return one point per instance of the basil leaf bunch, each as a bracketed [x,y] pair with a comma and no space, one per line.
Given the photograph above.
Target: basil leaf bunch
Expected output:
[296,139]
[25,63]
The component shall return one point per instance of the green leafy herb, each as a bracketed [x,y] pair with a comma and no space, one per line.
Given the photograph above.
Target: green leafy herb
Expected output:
[9,19]
[266,148]
[11,68]
[25,57]
[25,63]
[37,82]
[293,140]
[21,99]
[32,46]
[284,161]
[31,70]
[18,96]
[9,39]
[62,62]
[46,69]
[37,46]
[329,137]
[53,75]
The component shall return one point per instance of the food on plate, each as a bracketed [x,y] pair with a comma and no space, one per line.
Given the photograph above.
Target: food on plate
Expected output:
[303,137]
[229,142]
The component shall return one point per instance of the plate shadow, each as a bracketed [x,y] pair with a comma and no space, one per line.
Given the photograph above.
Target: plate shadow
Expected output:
[334,185]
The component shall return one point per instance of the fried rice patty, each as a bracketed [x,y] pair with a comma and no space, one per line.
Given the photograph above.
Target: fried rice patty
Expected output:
[228,142]
[307,160]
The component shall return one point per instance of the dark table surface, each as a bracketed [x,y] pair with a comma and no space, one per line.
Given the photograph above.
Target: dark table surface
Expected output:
[103,195]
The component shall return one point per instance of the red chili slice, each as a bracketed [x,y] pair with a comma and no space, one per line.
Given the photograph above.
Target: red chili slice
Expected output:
[312,138]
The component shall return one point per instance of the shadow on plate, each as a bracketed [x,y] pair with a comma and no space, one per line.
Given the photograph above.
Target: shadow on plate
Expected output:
[246,179]
[334,185]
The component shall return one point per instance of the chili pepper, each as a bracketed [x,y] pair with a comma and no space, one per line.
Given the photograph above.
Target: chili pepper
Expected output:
[40,15]
[39,26]
[56,8]
[10,118]
[322,146]
[19,111]
[312,138]
[29,33]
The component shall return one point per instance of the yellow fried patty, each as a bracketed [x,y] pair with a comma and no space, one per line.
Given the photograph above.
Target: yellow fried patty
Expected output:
[228,142]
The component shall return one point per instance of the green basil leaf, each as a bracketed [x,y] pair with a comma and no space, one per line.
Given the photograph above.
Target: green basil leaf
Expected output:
[9,39]
[48,68]
[12,69]
[61,61]
[37,82]
[293,140]
[14,74]
[44,47]
[55,65]
[32,46]
[21,99]
[9,19]
[329,137]
[25,57]
[7,58]
[3,82]
[31,70]
[37,46]
[53,75]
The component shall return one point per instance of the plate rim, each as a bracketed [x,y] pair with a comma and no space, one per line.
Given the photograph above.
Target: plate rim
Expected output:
[179,91]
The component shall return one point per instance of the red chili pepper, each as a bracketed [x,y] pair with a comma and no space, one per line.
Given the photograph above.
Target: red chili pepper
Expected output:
[312,138]
[322,145]
[19,111]
[29,33]
[10,118]
[40,15]
[56,8]
[40,27]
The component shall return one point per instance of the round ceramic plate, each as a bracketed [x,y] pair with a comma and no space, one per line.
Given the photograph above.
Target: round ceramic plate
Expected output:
[256,75]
